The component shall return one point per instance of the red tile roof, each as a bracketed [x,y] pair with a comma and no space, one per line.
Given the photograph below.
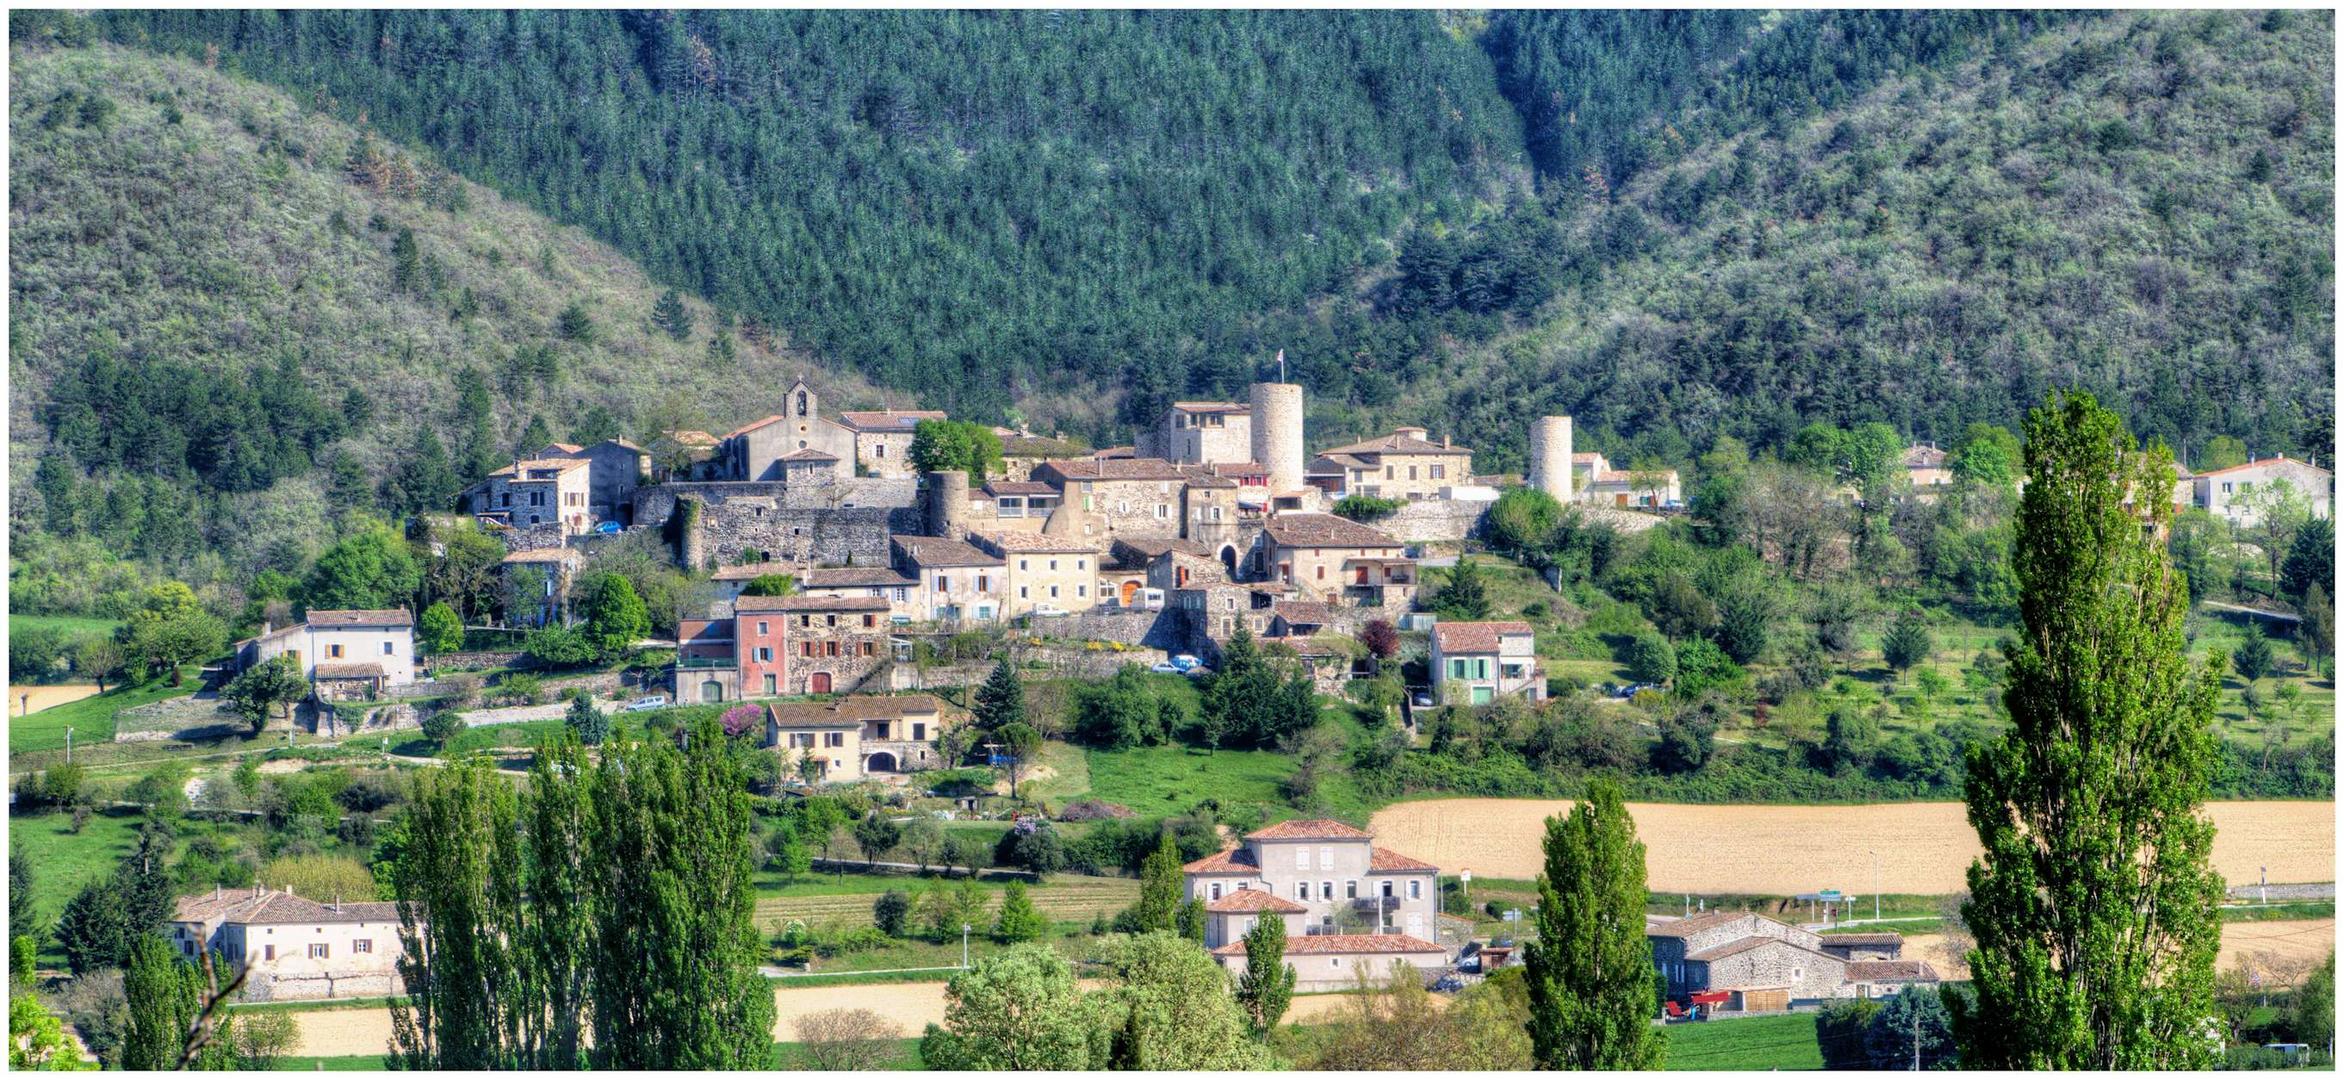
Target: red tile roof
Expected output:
[1475,637]
[1236,860]
[1387,861]
[1136,468]
[748,427]
[1338,944]
[852,709]
[265,907]
[1312,829]
[887,419]
[381,617]
[1693,924]
[803,602]
[808,454]
[1404,441]
[1325,531]
[1244,900]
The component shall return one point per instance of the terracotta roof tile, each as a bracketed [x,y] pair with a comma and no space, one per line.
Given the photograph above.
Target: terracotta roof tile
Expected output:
[753,571]
[1398,442]
[887,419]
[276,908]
[939,551]
[1475,637]
[1387,861]
[1325,530]
[1133,468]
[746,428]
[833,577]
[1311,829]
[1018,487]
[1244,900]
[1303,612]
[854,708]
[359,617]
[804,602]
[1339,944]
[1236,860]
[808,454]
[1027,541]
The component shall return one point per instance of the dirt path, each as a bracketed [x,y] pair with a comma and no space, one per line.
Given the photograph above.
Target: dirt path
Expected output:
[2293,941]
[28,698]
[1780,850]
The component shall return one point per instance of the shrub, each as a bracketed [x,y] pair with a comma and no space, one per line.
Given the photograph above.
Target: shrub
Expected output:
[892,912]
[1366,507]
[1651,659]
[558,647]
[848,1040]
[443,725]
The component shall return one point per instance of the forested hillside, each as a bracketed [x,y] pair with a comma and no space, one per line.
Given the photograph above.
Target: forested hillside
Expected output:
[2141,205]
[233,317]
[971,203]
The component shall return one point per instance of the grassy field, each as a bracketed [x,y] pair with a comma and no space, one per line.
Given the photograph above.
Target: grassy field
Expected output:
[63,861]
[1745,1045]
[1160,780]
[71,626]
[92,718]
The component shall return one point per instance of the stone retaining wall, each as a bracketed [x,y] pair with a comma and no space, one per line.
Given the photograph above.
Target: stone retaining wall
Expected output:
[1434,519]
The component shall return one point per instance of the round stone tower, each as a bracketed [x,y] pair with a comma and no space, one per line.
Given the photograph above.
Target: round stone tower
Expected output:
[947,507]
[1277,434]
[1550,456]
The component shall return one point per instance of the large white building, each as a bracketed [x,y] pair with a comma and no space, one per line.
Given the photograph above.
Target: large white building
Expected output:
[1348,906]
[2230,494]
[297,948]
[344,653]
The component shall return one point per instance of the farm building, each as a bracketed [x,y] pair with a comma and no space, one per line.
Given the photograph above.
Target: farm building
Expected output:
[1742,962]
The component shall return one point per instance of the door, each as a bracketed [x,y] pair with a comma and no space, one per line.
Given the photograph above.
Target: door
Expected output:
[1130,589]
[1416,925]
[712,691]
[821,682]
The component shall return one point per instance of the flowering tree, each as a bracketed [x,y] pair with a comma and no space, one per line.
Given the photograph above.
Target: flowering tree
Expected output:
[740,720]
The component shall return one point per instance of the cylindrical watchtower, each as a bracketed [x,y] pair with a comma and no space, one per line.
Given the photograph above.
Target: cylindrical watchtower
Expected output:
[1277,434]
[948,504]
[1550,456]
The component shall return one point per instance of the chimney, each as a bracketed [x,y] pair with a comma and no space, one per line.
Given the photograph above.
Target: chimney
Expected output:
[1445,442]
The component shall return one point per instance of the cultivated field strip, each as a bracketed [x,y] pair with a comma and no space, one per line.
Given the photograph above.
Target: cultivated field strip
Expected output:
[1062,898]
[1923,848]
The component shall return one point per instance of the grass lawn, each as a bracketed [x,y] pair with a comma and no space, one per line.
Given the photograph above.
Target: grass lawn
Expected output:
[72,626]
[1158,780]
[92,718]
[63,861]
[1745,1045]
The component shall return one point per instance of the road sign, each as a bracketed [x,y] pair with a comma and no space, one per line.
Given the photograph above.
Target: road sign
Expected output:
[1828,894]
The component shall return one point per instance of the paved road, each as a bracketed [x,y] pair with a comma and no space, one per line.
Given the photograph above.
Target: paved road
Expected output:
[2279,616]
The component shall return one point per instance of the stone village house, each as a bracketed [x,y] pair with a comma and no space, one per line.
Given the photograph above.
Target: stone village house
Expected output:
[299,949]
[346,655]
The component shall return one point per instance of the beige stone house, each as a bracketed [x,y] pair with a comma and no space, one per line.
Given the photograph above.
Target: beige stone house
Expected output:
[884,582]
[878,735]
[2230,494]
[1474,663]
[614,468]
[298,949]
[1405,464]
[1313,551]
[1924,467]
[799,443]
[1206,432]
[883,439]
[1014,505]
[1594,480]
[345,654]
[827,644]
[537,491]
[1043,572]
[956,580]
[1120,496]
[1745,962]
[1347,905]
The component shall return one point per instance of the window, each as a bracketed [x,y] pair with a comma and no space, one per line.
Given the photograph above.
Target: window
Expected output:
[1456,669]
[268,952]
[1081,591]
[1163,510]
[866,648]
[317,950]
[1021,564]
[1326,890]
[764,654]
[838,738]
[1387,890]
[1326,856]
[870,620]
[770,686]
[1053,592]
[1080,564]
[1322,573]
[805,622]
[830,648]
[879,450]
[1053,564]
[1416,890]
[1411,472]
[386,648]
[1021,592]
[830,620]
[1440,472]
[1351,889]
[763,629]
[1302,858]
[943,583]
[803,740]
[1216,890]
[984,583]
[919,732]
[1302,890]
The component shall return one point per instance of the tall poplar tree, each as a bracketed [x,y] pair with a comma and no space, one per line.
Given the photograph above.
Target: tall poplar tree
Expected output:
[460,911]
[163,995]
[1159,888]
[2094,907]
[1267,986]
[1590,968]
[557,941]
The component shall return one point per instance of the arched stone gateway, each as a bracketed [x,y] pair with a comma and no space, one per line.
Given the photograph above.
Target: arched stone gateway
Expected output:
[882,761]
[712,691]
[1229,559]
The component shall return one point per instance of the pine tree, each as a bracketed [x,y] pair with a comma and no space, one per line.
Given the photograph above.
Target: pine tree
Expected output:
[1590,968]
[406,261]
[534,436]
[2094,907]
[1267,986]
[1018,921]
[1466,596]
[1159,888]
[1001,700]
[671,316]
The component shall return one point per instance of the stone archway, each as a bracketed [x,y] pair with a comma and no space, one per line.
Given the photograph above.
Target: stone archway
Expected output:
[1229,560]
[711,690]
[883,761]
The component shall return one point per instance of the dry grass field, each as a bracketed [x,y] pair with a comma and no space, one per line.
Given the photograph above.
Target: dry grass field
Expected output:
[1779,850]
[2295,943]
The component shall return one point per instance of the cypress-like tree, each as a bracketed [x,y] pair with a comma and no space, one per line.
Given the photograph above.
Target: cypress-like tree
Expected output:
[1590,968]
[1267,986]
[2094,907]
[460,910]
[1159,888]
[163,996]
[671,316]
[557,940]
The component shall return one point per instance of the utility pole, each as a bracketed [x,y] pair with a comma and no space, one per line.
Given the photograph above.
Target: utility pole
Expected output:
[964,946]
[69,744]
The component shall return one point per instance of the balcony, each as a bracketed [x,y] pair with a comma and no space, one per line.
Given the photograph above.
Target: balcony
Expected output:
[705,663]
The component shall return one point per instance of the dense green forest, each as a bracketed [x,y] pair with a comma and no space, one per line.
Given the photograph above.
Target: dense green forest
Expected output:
[1675,226]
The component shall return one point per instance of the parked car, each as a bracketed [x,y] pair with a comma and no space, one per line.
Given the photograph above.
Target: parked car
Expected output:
[645,704]
[1164,669]
[1185,662]
[1423,699]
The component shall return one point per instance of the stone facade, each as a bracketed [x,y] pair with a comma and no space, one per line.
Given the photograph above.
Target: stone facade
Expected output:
[1043,572]
[1767,965]
[1139,497]
[1277,433]
[839,523]
[296,948]
[1202,433]
[830,645]
[1310,551]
